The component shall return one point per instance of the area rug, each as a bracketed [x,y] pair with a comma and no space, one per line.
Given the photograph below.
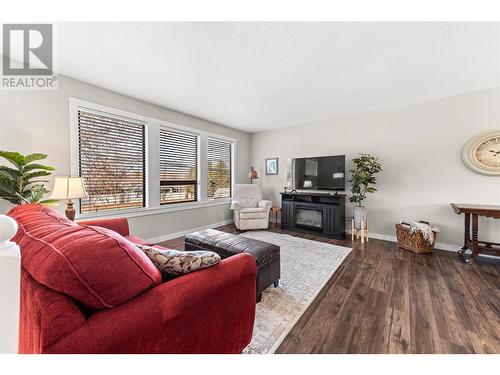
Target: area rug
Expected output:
[306,266]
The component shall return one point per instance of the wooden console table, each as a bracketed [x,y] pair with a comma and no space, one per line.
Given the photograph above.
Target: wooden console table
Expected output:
[472,242]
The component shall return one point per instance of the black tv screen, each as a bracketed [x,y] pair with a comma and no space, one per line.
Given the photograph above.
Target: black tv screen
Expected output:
[319,173]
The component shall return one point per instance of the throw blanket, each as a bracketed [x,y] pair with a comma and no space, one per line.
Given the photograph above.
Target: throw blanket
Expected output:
[426,229]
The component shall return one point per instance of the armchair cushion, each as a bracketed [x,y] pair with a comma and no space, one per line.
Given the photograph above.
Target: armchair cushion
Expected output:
[56,253]
[253,213]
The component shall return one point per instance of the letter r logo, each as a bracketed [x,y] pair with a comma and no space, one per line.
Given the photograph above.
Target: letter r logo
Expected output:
[27,49]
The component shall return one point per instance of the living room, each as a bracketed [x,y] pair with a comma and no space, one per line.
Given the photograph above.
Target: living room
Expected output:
[304,187]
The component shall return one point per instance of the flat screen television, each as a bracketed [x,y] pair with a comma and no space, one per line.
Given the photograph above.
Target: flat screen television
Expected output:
[319,173]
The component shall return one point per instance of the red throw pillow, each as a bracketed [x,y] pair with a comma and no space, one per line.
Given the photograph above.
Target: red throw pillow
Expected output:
[95,266]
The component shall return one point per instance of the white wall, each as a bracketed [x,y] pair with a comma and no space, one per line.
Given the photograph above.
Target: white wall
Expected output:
[38,121]
[419,146]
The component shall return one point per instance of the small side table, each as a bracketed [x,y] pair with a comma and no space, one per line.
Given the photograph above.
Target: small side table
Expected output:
[275,211]
[10,275]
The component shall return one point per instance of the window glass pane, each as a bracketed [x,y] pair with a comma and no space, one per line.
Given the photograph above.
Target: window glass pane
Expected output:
[178,167]
[219,169]
[111,161]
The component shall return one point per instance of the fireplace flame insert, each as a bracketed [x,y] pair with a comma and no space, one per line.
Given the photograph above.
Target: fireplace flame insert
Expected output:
[309,217]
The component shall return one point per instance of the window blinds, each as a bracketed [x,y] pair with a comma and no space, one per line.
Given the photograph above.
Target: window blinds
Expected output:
[219,169]
[178,167]
[111,161]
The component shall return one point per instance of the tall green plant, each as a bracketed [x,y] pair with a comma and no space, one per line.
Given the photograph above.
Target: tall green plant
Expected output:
[21,184]
[363,178]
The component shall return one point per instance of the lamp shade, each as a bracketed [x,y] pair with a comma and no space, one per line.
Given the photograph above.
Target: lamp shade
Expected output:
[68,188]
[252,175]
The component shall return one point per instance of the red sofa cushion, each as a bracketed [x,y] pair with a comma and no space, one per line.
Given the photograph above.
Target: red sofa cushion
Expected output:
[95,266]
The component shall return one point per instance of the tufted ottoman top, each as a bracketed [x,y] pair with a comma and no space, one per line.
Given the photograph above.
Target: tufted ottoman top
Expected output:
[227,244]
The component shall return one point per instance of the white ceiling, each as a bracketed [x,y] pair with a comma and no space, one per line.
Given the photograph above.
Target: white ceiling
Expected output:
[260,76]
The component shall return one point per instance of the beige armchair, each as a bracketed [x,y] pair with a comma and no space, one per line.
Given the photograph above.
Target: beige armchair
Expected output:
[250,210]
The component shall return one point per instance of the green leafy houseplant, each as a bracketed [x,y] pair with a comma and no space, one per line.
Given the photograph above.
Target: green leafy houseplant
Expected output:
[363,178]
[21,184]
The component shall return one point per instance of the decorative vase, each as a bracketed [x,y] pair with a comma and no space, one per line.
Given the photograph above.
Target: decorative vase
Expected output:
[359,213]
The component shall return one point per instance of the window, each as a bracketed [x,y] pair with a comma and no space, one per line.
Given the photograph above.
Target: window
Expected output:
[112,161]
[139,165]
[219,169]
[178,167]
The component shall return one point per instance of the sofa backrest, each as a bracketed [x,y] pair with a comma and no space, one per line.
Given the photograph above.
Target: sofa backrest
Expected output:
[95,266]
[248,195]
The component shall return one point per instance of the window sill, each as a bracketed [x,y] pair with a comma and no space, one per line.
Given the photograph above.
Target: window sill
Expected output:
[146,211]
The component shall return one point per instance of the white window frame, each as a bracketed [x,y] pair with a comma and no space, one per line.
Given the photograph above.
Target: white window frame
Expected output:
[217,138]
[153,127]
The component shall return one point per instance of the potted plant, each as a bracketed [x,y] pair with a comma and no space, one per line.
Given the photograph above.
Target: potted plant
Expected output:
[21,184]
[362,182]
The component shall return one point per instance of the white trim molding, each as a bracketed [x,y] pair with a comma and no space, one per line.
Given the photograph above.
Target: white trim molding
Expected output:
[391,238]
[152,171]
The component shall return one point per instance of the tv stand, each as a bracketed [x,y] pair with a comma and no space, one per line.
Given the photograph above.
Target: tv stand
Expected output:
[314,212]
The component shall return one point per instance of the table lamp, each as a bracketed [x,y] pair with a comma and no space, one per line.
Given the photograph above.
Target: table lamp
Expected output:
[252,175]
[68,188]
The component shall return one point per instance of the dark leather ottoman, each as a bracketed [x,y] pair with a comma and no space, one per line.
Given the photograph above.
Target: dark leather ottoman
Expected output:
[266,255]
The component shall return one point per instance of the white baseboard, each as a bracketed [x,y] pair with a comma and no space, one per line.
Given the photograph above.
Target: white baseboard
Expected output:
[377,236]
[171,236]
[387,237]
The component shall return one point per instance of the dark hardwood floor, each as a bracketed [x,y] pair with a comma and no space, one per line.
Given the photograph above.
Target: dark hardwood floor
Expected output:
[387,300]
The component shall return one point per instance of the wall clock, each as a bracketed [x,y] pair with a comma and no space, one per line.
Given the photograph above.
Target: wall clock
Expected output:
[482,153]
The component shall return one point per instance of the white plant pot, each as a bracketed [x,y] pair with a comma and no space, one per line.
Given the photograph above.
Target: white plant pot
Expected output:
[359,213]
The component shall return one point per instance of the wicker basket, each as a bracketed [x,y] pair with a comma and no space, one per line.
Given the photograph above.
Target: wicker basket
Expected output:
[413,242]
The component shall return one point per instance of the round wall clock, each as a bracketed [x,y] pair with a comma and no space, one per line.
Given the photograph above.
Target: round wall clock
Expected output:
[482,153]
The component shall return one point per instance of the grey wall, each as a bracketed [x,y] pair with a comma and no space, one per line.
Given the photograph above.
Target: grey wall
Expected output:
[419,146]
[38,121]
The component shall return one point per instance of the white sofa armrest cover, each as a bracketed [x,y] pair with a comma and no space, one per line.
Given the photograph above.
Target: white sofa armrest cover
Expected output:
[235,205]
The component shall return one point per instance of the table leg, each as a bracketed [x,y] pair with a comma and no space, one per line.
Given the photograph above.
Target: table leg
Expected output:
[475,245]
[475,235]
[466,234]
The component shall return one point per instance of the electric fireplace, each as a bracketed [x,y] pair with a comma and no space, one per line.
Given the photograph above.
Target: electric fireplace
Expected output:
[317,213]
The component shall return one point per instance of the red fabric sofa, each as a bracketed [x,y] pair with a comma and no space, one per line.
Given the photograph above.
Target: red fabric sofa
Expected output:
[86,288]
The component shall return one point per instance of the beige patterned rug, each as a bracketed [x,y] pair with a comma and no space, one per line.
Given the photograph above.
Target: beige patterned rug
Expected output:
[306,266]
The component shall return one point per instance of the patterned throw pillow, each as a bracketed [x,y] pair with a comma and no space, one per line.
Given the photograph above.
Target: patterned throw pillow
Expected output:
[175,262]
